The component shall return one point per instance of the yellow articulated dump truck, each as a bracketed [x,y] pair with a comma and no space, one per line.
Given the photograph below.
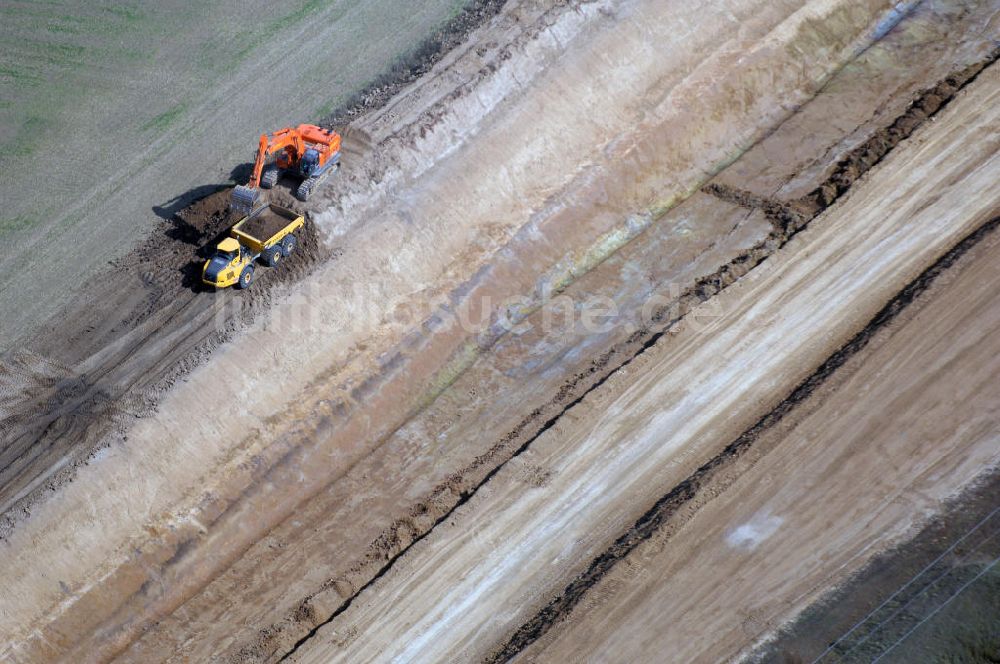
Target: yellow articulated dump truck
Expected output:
[267,233]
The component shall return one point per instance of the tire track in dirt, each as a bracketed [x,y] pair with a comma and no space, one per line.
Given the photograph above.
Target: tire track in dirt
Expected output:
[119,371]
[788,218]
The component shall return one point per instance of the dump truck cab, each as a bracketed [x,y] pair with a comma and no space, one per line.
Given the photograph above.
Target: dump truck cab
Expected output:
[227,264]
[267,233]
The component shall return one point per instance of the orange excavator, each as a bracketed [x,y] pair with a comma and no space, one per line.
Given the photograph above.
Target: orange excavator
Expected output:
[308,152]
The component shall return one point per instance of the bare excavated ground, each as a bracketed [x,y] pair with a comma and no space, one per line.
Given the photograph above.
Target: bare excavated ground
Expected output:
[143,320]
[489,496]
[709,568]
[733,512]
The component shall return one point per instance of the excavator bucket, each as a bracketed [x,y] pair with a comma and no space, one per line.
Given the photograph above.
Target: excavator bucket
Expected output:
[244,199]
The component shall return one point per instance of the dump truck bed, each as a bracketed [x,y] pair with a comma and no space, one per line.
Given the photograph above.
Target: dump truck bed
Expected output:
[266,226]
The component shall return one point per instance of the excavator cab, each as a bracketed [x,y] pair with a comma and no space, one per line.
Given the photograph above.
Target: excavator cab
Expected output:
[285,159]
[310,162]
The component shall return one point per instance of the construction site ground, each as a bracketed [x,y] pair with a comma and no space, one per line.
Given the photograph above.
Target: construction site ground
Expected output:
[630,330]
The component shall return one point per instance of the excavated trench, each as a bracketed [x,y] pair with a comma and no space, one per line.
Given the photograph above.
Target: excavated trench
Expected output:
[792,216]
[787,218]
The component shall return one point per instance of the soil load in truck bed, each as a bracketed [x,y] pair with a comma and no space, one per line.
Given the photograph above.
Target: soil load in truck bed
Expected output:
[264,224]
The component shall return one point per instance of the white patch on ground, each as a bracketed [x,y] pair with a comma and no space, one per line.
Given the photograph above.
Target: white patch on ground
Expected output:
[747,536]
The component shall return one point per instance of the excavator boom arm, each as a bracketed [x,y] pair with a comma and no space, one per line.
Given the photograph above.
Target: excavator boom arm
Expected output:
[279,140]
[258,164]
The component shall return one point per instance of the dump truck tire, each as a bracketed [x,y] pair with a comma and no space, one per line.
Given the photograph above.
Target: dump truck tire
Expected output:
[288,245]
[246,278]
[273,255]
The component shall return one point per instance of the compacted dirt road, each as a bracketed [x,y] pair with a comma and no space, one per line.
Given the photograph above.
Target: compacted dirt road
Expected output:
[557,278]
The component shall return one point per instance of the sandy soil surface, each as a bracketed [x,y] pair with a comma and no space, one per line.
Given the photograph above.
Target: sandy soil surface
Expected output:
[480,575]
[877,448]
[500,181]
